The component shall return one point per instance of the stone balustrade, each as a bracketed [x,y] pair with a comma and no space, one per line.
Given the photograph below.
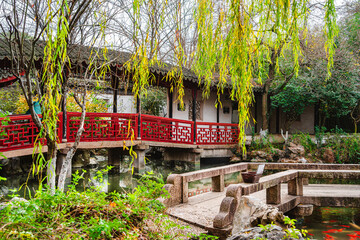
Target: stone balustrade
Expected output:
[178,184]
[272,184]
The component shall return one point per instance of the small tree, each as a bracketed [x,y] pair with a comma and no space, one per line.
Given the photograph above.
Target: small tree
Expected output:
[292,101]
[153,102]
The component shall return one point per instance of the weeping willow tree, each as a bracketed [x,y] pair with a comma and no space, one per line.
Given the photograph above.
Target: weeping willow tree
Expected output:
[238,41]
[56,66]
[23,24]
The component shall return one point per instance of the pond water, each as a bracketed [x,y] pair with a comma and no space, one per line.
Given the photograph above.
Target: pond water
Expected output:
[325,223]
[121,177]
[332,223]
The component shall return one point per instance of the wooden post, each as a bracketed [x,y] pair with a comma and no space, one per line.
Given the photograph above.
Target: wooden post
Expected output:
[170,96]
[256,115]
[194,111]
[116,90]
[218,121]
[138,111]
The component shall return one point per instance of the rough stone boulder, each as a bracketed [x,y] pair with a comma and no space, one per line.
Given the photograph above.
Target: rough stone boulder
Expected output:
[258,155]
[328,156]
[295,160]
[81,158]
[296,149]
[279,153]
[252,212]
[273,233]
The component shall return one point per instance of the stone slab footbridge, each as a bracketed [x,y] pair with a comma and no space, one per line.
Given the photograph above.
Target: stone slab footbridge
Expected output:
[287,189]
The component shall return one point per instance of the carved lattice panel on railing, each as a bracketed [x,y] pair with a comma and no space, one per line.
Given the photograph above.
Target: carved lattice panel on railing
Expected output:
[102,127]
[217,134]
[21,132]
[165,130]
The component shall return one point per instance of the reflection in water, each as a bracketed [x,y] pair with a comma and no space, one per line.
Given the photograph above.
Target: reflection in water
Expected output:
[121,178]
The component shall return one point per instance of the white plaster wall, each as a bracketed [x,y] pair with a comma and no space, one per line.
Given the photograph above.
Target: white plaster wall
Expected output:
[307,122]
[250,125]
[178,114]
[208,110]
[125,103]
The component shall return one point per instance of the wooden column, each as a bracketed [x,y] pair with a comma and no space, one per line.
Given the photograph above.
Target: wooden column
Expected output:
[138,111]
[256,114]
[194,111]
[277,120]
[64,103]
[170,96]
[116,91]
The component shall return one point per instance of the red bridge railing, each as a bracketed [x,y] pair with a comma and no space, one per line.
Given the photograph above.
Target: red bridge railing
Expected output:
[21,132]
[216,133]
[103,126]
[160,129]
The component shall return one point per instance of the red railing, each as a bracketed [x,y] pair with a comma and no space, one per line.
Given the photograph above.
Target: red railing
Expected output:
[160,129]
[21,131]
[216,133]
[103,126]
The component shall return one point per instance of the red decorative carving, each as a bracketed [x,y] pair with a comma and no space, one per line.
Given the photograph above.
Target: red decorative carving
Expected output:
[160,129]
[103,126]
[21,132]
[216,133]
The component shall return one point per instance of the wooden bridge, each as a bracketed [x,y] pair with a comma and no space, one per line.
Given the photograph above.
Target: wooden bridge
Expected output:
[111,130]
[214,211]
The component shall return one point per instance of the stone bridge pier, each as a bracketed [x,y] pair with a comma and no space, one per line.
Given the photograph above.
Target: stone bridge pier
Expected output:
[115,156]
[187,155]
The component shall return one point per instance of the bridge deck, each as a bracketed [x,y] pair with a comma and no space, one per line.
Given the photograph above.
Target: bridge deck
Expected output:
[201,210]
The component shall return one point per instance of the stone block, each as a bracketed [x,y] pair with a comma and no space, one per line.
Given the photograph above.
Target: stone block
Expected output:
[273,195]
[295,187]
[218,184]
[174,187]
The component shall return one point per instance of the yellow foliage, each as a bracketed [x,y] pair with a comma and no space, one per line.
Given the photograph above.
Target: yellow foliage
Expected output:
[92,104]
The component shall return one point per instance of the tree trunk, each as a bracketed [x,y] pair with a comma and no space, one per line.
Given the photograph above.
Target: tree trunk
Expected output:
[71,152]
[51,165]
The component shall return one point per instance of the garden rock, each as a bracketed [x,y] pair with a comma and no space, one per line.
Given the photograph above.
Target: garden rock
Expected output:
[279,153]
[296,149]
[260,155]
[81,159]
[252,212]
[272,233]
[328,155]
[235,159]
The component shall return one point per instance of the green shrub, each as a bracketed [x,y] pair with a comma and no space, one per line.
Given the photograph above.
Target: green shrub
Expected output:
[90,214]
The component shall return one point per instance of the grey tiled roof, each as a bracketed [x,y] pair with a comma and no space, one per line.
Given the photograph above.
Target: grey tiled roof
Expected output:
[80,53]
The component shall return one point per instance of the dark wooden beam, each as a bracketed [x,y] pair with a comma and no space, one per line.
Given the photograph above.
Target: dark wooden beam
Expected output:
[170,96]
[194,111]
[115,80]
